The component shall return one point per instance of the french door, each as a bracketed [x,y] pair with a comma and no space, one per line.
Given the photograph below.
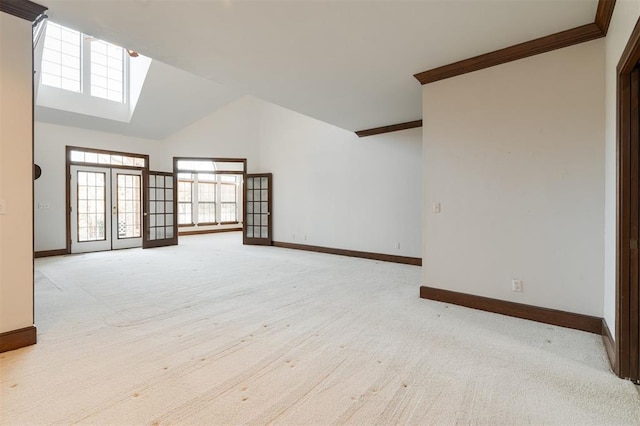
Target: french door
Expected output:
[160,211]
[106,208]
[257,209]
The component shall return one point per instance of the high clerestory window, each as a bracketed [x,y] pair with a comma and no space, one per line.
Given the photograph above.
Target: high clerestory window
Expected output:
[61,58]
[78,62]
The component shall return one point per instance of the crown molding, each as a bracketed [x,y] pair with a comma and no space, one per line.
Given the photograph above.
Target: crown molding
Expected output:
[389,129]
[24,9]
[573,36]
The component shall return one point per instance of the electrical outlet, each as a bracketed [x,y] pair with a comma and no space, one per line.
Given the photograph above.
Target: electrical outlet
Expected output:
[516,285]
[305,237]
[436,207]
[294,236]
[3,206]
[398,245]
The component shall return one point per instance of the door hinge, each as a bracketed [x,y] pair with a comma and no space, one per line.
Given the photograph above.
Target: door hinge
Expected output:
[633,244]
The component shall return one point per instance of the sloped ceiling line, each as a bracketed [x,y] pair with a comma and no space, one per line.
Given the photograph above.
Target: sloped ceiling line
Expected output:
[573,36]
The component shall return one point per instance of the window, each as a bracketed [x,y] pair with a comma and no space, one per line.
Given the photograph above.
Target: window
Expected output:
[185,197]
[63,65]
[198,195]
[206,198]
[87,155]
[228,198]
[209,190]
[107,71]
[61,58]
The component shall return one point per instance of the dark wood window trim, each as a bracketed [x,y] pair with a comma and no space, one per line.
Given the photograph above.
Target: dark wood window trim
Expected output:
[626,345]
[69,163]
[24,9]
[581,34]
[243,173]
[209,231]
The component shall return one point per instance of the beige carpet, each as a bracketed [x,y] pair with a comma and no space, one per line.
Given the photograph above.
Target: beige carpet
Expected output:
[212,332]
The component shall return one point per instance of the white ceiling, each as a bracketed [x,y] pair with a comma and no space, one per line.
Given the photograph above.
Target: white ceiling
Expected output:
[348,63]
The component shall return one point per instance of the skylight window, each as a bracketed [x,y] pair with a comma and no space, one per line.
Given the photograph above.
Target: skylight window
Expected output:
[81,63]
[107,71]
[81,74]
[61,58]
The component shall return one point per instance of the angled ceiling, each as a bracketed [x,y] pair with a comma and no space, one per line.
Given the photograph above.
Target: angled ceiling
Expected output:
[170,100]
[348,63]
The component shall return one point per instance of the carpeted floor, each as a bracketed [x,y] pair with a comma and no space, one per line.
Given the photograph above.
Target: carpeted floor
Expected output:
[213,332]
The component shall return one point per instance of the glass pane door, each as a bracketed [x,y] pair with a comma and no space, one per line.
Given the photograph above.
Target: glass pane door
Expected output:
[127,208]
[161,220]
[257,211]
[91,200]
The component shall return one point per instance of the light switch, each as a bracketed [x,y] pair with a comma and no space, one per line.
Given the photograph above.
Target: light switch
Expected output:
[436,207]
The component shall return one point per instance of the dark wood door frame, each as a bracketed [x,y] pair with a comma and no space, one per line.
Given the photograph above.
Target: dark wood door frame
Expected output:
[627,348]
[69,162]
[258,240]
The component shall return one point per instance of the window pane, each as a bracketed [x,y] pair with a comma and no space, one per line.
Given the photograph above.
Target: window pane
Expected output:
[61,58]
[184,191]
[90,214]
[184,214]
[206,192]
[206,212]
[228,192]
[228,212]
[107,71]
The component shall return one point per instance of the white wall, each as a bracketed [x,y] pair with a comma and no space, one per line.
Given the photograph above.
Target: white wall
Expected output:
[50,143]
[333,189]
[515,156]
[625,15]
[229,132]
[16,174]
[337,189]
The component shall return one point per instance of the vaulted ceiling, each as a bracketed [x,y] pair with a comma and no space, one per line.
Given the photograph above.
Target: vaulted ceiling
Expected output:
[348,63]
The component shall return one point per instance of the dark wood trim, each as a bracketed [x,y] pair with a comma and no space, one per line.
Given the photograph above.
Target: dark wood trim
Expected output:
[258,240]
[548,43]
[229,223]
[49,253]
[573,36]
[609,344]
[24,9]
[604,14]
[17,339]
[534,313]
[626,347]
[352,253]
[146,243]
[69,163]
[209,231]
[389,129]
[107,152]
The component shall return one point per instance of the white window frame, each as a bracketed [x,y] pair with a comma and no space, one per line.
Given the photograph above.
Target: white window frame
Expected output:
[86,69]
[217,203]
